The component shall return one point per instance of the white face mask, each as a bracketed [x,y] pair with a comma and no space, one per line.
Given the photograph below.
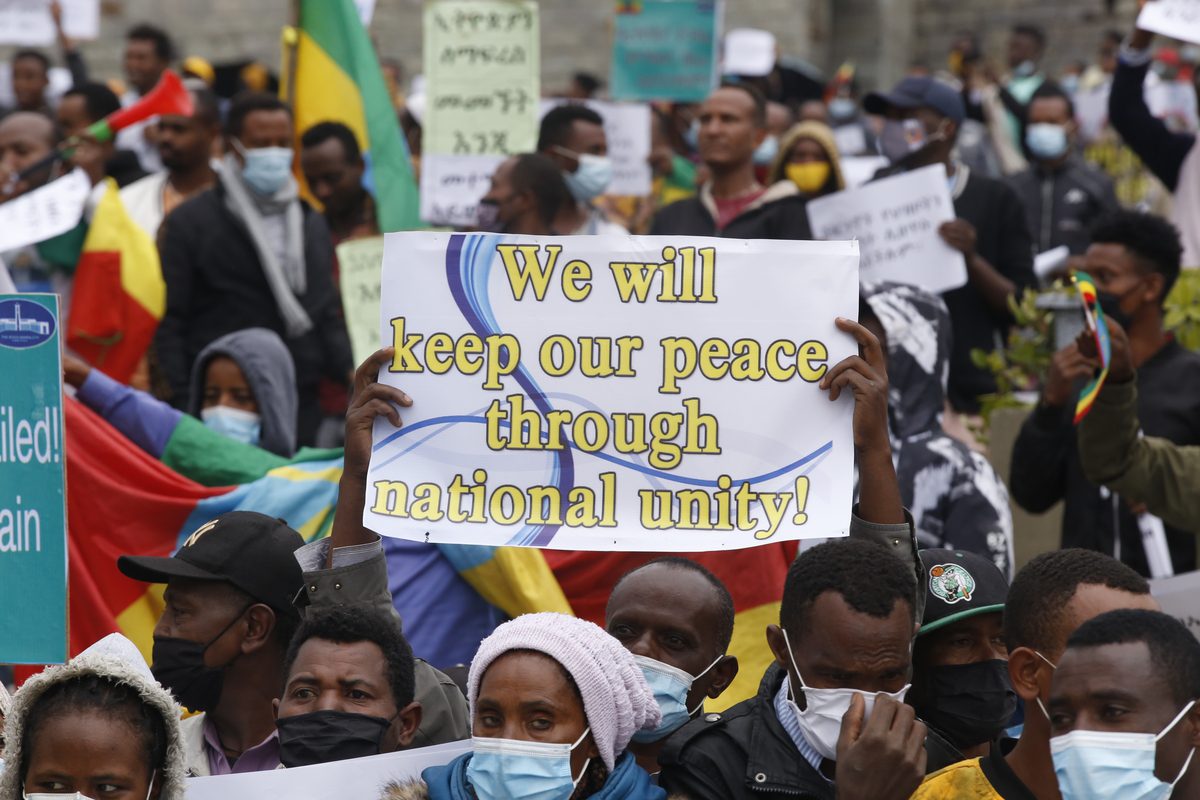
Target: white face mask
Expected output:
[239,425]
[821,720]
[1098,765]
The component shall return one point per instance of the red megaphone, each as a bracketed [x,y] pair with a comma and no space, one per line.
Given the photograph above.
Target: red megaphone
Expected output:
[169,96]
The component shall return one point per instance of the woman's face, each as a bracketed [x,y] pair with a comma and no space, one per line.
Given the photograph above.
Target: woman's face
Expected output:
[88,753]
[806,151]
[526,696]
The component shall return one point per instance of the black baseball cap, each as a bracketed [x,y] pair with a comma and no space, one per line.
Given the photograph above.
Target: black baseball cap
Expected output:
[918,92]
[252,551]
[958,585]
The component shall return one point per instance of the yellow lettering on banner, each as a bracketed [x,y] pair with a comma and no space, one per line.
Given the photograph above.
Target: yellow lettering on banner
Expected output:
[500,352]
[529,269]
[577,281]
[679,281]
[591,431]
[743,360]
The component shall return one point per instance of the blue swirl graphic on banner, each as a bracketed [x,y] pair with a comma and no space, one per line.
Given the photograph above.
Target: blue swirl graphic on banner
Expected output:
[468,262]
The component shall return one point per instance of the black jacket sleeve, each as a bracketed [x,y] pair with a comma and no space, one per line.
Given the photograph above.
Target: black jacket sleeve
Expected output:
[1038,476]
[176,251]
[1162,150]
[1015,256]
[324,302]
[76,65]
[698,777]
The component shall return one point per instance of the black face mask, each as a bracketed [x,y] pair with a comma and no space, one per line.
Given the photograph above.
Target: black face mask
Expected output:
[323,736]
[178,664]
[1110,304]
[969,703]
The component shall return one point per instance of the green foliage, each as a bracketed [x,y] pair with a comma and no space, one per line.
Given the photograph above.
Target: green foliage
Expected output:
[1019,367]
[1183,309]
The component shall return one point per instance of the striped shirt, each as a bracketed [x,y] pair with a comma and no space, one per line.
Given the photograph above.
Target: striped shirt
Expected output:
[787,718]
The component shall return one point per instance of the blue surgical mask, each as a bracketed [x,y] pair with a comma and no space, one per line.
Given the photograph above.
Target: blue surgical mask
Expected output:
[591,178]
[671,686]
[241,426]
[266,169]
[1097,765]
[901,138]
[691,137]
[764,154]
[1069,84]
[513,769]
[842,109]
[1046,140]
[1025,69]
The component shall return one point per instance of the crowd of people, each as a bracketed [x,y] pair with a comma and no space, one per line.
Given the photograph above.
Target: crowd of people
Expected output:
[914,658]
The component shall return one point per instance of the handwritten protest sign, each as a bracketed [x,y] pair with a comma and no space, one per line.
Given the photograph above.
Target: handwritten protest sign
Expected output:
[1178,19]
[895,221]
[452,186]
[481,77]
[481,88]
[358,267]
[28,22]
[613,392]
[33,518]
[354,777]
[45,212]
[665,49]
[627,130]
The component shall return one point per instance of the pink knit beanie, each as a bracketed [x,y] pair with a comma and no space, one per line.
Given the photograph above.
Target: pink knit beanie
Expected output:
[616,698]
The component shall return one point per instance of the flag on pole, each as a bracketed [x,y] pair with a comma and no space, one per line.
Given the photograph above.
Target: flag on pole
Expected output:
[119,294]
[1098,328]
[338,79]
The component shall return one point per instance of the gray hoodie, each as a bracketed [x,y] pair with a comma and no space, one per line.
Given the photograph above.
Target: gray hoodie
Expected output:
[956,498]
[265,361]
[113,657]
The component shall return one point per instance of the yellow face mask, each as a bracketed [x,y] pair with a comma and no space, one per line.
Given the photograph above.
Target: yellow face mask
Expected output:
[809,177]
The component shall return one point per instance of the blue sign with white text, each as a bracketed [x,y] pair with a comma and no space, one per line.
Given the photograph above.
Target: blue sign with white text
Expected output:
[33,517]
[665,49]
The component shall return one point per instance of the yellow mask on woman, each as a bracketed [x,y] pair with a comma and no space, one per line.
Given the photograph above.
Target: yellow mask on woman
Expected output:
[808,177]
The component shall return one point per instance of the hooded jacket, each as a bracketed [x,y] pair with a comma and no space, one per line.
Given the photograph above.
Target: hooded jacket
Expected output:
[113,657]
[820,133]
[265,361]
[956,498]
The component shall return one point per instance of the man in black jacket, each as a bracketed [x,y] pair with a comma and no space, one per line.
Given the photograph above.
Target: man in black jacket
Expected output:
[829,719]
[923,119]
[1063,196]
[249,253]
[1134,259]
[733,204]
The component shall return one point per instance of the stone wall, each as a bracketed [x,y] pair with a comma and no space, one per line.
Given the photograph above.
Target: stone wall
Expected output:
[576,34]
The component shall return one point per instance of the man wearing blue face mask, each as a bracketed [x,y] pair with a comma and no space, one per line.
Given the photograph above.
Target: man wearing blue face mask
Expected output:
[572,136]
[1063,196]
[248,253]
[676,618]
[1123,710]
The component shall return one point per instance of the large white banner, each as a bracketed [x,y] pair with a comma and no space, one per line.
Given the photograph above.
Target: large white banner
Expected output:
[896,221]
[45,212]
[355,777]
[614,392]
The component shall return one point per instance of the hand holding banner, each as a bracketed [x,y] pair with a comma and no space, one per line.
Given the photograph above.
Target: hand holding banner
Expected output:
[613,392]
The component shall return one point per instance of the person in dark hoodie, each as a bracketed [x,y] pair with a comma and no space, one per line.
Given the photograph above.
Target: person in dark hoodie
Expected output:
[956,498]
[244,386]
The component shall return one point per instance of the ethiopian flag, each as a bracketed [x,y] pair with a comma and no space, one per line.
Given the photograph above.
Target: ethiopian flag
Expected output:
[119,294]
[146,498]
[1099,329]
[337,78]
